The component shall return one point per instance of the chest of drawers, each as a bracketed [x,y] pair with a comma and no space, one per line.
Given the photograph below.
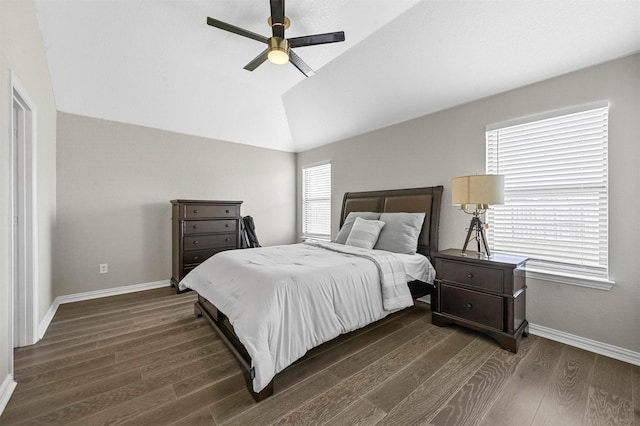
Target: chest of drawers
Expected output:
[486,295]
[200,229]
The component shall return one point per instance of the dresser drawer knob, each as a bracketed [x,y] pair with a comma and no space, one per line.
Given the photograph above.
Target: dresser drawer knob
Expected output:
[195,243]
[196,211]
[195,226]
[469,275]
[227,211]
[226,239]
[468,306]
[226,225]
[196,257]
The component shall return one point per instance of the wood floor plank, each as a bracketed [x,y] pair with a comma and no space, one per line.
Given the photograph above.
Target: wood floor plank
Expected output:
[360,413]
[424,403]
[118,396]
[190,403]
[121,351]
[185,355]
[60,373]
[566,398]
[36,406]
[310,365]
[39,388]
[100,339]
[202,417]
[338,398]
[405,381]
[145,359]
[526,387]
[220,371]
[477,395]
[128,410]
[610,394]
[361,359]
[272,408]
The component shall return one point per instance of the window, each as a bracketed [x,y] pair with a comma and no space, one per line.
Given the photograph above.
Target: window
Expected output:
[316,201]
[556,201]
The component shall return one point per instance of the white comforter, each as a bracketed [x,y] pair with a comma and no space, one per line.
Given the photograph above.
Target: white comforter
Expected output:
[284,300]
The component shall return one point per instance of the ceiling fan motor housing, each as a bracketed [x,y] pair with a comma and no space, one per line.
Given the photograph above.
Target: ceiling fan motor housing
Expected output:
[278,50]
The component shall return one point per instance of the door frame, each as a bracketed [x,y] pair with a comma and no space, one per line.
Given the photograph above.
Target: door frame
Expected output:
[23,264]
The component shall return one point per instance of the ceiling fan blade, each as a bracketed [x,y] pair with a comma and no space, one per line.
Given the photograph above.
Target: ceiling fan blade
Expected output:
[277,17]
[236,30]
[311,40]
[300,64]
[257,61]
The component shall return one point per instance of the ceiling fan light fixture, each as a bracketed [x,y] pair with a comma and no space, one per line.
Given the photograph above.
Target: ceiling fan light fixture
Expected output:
[278,50]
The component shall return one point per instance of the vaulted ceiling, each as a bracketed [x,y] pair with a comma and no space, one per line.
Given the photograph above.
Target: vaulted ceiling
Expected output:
[157,63]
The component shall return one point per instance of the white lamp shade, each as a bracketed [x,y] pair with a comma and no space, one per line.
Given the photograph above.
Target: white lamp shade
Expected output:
[478,189]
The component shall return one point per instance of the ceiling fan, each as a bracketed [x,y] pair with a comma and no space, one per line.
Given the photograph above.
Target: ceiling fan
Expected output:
[279,48]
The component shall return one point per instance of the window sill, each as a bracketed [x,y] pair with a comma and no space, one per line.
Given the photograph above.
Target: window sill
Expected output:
[581,281]
[315,237]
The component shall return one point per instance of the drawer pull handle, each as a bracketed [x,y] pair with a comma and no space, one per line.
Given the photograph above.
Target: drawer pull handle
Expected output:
[195,226]
[196,211]
[226,225]
[469,275]
[226,239]
[195,243]
[196,257]
[227,211]
[468,306]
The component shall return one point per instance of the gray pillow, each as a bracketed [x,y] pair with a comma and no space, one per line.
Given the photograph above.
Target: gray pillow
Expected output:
[344,232]
[364,233]
[400,233]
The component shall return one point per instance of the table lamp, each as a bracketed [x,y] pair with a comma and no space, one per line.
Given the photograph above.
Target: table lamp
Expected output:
[474,195]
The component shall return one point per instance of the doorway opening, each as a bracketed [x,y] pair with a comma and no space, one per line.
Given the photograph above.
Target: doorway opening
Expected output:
[23,226]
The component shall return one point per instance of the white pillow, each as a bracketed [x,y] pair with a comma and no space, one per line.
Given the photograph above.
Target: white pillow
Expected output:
[401,232]
[344,232]
[364,233]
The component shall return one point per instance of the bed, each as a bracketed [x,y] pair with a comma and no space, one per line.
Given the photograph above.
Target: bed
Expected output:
[270,305]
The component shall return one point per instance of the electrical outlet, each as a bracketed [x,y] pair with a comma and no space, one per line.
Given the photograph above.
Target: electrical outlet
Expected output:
[104,268]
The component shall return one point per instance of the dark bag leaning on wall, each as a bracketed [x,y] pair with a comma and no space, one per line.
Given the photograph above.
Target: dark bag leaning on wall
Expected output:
[248,233]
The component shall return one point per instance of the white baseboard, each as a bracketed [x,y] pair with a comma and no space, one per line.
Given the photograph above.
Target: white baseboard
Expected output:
[6,390]
[600,348]
[44,324]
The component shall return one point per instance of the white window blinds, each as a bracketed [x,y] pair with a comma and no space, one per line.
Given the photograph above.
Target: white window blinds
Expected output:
[556,202]
[316,201]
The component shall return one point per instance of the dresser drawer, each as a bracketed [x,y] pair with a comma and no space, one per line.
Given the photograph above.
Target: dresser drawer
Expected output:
[206,226]
[471,275]
[196,211]
[480,308]
[198,256]
[200,242]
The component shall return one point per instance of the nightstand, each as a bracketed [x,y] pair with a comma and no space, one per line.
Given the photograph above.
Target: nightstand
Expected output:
[485,295]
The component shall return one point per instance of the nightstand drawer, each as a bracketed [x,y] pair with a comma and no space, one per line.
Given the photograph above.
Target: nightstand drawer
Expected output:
[471,275]
[480,308]
[199,242]
[206,226]
[196,211]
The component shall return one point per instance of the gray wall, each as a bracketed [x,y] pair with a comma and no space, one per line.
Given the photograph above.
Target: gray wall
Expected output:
[431,150]
[21,51]
[114,185]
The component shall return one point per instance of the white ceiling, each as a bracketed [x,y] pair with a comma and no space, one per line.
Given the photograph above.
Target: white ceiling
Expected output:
[156,63]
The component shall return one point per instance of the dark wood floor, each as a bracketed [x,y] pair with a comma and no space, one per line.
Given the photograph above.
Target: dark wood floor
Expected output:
[144,359]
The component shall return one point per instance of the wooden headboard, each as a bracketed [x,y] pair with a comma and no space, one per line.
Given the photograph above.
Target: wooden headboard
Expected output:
[414,200]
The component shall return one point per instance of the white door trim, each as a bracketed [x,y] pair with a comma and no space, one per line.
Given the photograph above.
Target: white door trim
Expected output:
[23,154]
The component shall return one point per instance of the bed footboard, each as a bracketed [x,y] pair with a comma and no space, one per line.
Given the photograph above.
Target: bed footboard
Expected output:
[221,324]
